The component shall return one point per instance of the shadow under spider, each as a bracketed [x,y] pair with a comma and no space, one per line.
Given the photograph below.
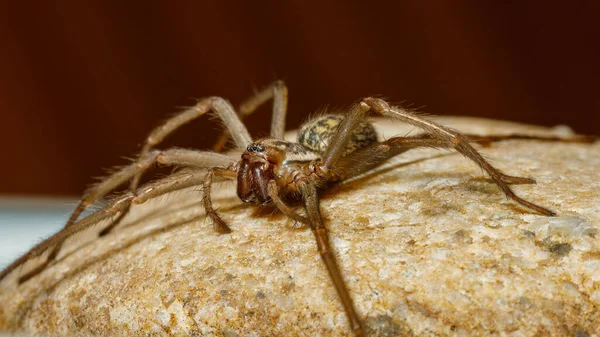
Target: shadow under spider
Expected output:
[351,184]
[363,179]
[154,213]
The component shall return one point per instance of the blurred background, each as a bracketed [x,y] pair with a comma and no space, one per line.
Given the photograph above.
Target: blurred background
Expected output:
[83,82]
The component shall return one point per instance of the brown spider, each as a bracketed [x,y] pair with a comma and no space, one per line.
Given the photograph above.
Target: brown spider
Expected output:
[330,149]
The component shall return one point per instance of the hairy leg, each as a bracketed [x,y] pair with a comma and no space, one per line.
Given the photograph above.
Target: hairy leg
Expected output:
[179,157]
[486,140]
[372,156]
[276,91]
[56,240]
[220,225]
[174,182]
[107,185]
[287,210]
[220,106]
[175,156]
[311,203]
[368,158]
[450,137]
[168,157]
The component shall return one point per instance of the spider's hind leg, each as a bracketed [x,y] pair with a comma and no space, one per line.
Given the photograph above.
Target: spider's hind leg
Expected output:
[459,142]
[447,138]
[56,241]
[489,139]
[354,163]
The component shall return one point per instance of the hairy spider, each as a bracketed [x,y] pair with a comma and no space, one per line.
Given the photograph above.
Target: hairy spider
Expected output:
[330,149]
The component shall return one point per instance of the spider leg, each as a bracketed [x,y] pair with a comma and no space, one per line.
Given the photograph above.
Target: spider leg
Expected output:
[56,240]
[287,210]
[311,203]
[176,157]
[486,140]
[220,106]
[451,138]
[355,164]
[107,185]
[151,190]
[220,225]
[172,157]
[276,91]
[174,182]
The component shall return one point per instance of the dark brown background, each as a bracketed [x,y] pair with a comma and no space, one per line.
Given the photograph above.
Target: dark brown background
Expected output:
[82,82]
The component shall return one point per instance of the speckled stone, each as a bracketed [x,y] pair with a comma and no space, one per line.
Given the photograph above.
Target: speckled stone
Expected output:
[427,245]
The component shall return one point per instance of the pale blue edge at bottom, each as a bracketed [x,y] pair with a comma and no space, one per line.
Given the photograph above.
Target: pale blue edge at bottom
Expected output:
[25,222]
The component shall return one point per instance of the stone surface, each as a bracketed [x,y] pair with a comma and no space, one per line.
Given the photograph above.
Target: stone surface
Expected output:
[427,245]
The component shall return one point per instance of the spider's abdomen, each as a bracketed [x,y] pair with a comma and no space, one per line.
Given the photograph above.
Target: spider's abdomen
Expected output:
[317,133]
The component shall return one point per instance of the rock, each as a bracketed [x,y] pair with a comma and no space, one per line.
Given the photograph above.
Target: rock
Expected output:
[427,245]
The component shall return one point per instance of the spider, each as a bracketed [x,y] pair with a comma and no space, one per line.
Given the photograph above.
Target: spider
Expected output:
[330,149]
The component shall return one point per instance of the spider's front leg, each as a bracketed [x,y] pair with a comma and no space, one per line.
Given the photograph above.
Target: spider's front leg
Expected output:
[220,106]
[278,92]
[147,157]
[310,198]
[119,207]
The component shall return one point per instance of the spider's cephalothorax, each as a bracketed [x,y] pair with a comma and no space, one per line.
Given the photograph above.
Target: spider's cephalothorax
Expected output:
[271,159]
[255,170]
[330,148]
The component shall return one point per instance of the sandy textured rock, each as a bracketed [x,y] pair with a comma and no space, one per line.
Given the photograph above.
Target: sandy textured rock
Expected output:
[428,248]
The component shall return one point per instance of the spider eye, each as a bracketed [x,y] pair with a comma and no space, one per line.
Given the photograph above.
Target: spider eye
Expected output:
[255,148]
